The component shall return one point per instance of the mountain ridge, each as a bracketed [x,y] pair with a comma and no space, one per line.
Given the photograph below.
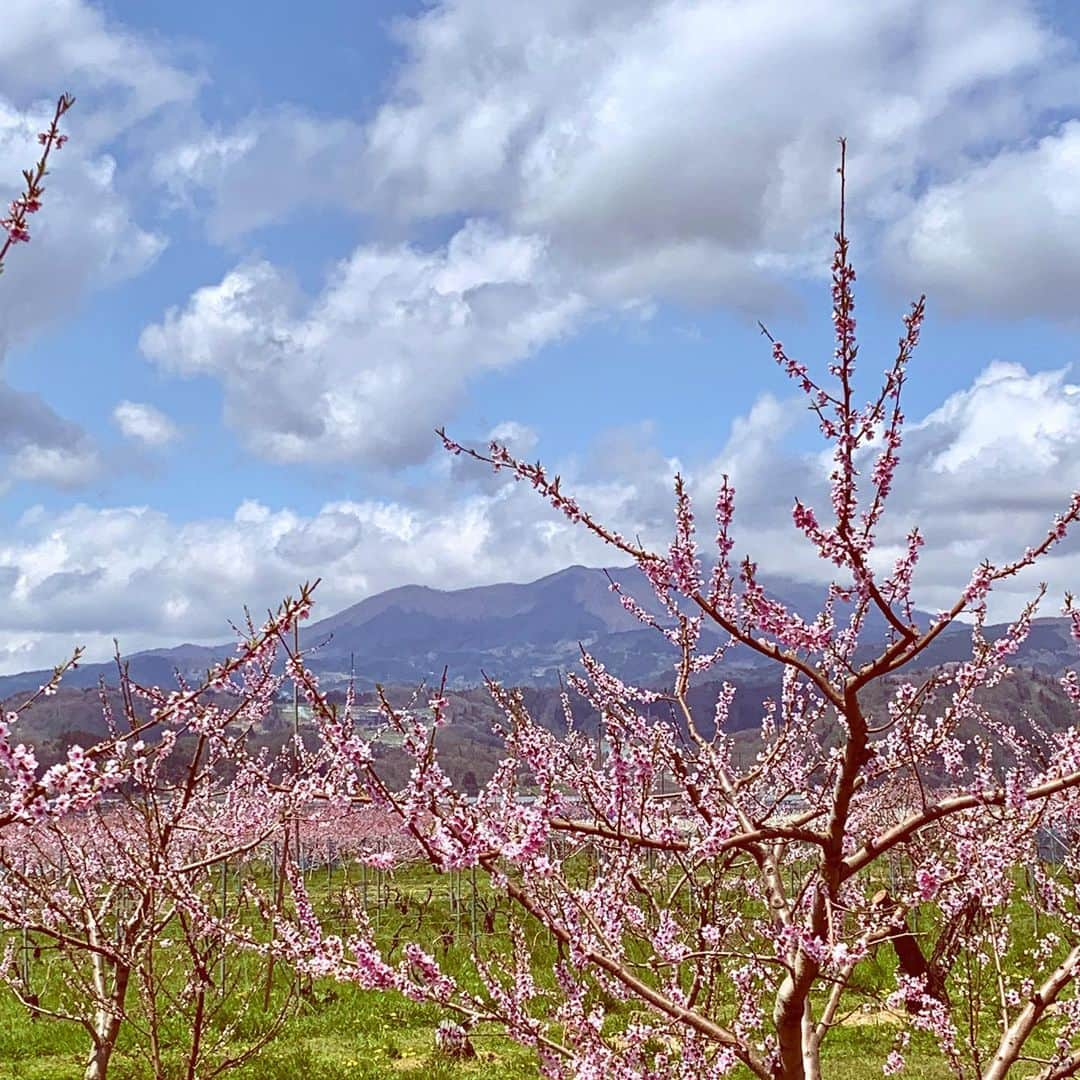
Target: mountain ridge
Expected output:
[521,633]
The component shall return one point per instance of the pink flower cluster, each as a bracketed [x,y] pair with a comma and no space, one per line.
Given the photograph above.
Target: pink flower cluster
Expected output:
[29,202]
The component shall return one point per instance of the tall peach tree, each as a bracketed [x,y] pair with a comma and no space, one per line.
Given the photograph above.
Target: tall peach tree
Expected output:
[718,912]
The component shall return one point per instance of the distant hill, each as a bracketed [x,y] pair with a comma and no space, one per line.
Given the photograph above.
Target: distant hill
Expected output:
[525,635]
[470,751]
[522,634]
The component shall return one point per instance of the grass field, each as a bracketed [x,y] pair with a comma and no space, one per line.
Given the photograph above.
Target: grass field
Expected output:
[338,1032]
[348,1034]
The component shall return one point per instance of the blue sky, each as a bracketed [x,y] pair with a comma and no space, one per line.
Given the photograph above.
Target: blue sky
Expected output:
[271,262]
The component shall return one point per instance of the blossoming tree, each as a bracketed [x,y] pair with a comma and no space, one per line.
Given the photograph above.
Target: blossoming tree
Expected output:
[128,905]
[106,854]
[711,910]
[24,794]
[737,909]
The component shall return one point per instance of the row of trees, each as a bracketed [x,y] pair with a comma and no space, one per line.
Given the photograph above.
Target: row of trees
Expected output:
[735,908]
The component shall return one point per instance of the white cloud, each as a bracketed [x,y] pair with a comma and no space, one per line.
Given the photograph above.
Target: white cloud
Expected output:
[603,154]
[144,423]
[119,77]
[368,368]
[978,487]
[982,475]
[236,182]
[38,445]
[184,581]
[684,148]
[1009,423]
[1004,237]
[991,466]
[670,149]
[86,236]
[57,466]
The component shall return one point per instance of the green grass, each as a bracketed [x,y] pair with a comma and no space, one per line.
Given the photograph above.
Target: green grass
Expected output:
[357,1035]
[348,1034]
[339,1032]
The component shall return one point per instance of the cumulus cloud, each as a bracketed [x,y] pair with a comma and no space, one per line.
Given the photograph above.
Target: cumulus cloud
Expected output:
[85,239]
[982,476]
[56,466]
[986,472]
[1005,237]
[367,369]
[602,154]
[119,77]
[978,487]
[461,471]
[144,423]
[658,148]
[37,444]
[235,181]
[88,238]
[62,583]
[184,581]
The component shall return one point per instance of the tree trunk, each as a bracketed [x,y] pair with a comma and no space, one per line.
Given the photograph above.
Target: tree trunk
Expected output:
[800,1053]
[106,1029]
[105,1032]
[788,1017]
[97,1066]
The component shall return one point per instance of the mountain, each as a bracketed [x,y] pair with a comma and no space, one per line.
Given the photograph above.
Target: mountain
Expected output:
[521,634]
